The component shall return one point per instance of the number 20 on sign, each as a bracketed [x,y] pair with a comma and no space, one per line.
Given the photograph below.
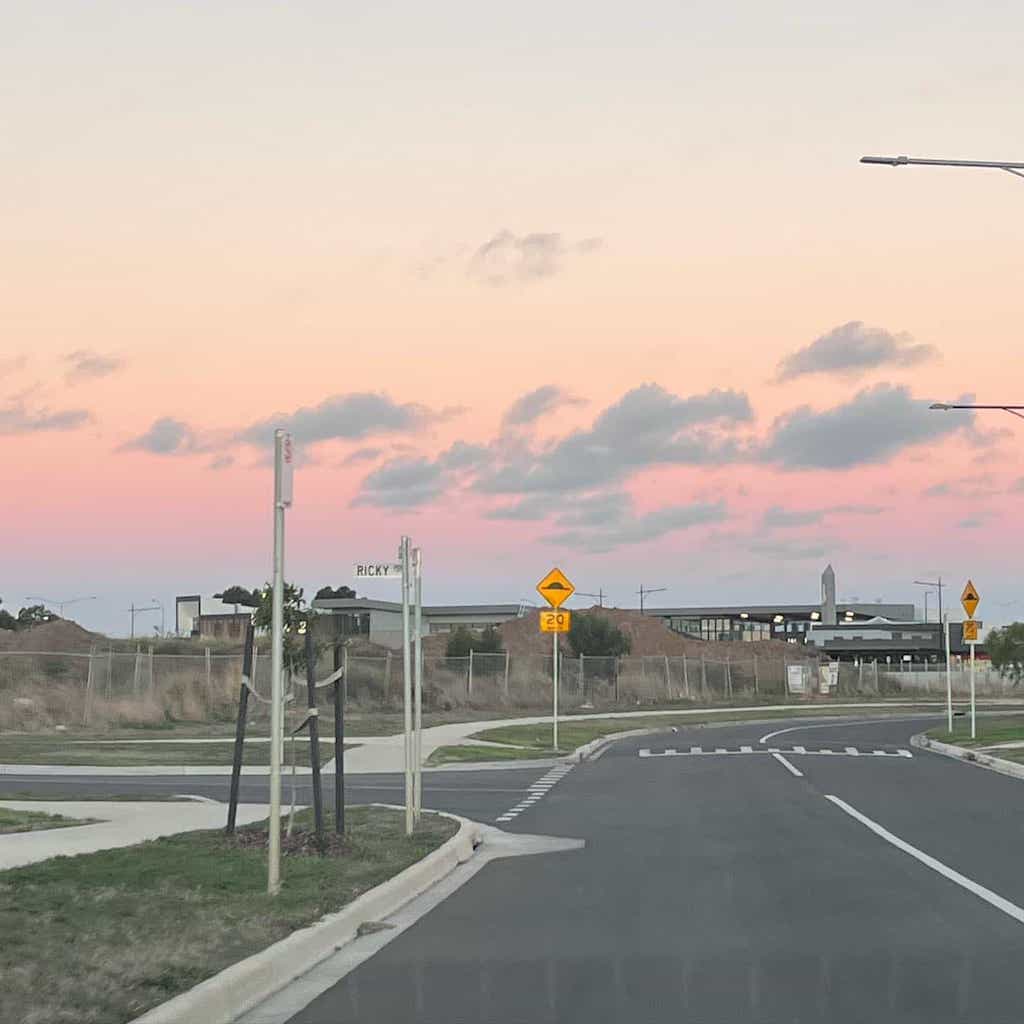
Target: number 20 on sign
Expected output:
[555,622]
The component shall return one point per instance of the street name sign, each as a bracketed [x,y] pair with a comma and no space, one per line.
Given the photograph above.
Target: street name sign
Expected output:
[555,588]
[970,599]
[377,570]
[555,621]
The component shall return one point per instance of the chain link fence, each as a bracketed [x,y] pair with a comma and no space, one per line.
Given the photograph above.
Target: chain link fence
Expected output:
[117,687]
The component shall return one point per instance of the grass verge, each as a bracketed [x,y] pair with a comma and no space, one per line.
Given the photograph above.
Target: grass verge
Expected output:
[35,821]
[990,731]
[469,752]
[30,748]
[105,936]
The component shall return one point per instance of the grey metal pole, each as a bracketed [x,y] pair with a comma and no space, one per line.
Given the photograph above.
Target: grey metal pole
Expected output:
[554,691]
[949,682]
[276,672]
[418,681]
[403,552]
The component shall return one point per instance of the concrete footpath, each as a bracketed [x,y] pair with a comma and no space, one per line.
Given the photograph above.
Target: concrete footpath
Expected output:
[121,823]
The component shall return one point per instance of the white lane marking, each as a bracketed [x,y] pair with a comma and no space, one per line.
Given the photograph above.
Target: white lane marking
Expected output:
[825,751]
[799,750]
[904,753]
[840,725]
[670,750]
[880,753]
[719,750]
[537,790]
[746,750]
[645,752]
[796,771]
[997,901]
[853,751]
[696,750]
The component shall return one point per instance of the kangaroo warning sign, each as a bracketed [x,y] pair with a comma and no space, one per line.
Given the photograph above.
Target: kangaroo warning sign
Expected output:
[555,588]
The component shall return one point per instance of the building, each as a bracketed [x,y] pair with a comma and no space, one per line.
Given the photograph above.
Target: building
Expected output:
[210,618]
[381,621]
[890,641]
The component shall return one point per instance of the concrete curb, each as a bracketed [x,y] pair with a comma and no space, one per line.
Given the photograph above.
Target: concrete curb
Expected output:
[995,764]
[590,751]
[242,986]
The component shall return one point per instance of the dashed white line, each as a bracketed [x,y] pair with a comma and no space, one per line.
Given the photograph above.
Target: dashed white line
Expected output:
[990,897]
[539,788]
[800,750]
[792,768]
[853,751]
[746,750]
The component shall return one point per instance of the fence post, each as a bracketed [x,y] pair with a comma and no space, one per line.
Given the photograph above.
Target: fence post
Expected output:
[469,677]
[703,677]
[137,669]
[860,675]
[206,654]
[728,676]
[506,673]
[617,680]
[686,678]
[340,693]
[248,673]
[668,679]
[387,677]
[757,685]
[877,690]
[89,685]
[110,670]
[313,727]
[150,666]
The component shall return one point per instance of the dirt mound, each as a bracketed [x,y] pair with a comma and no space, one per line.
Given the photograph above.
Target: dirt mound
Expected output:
[57,636]
[648,636]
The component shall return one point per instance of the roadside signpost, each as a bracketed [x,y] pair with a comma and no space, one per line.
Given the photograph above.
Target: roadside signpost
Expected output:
[970,599]
[556,589]
[949,678]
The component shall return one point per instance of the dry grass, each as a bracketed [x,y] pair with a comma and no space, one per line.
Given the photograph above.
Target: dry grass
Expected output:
[103,937]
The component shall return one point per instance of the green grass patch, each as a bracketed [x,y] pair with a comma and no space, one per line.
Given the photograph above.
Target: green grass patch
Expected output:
[103,937]
[12,820]
[469,752]
[30,748]
[990,730]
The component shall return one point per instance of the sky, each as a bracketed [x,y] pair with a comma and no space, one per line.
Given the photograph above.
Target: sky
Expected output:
[599,286]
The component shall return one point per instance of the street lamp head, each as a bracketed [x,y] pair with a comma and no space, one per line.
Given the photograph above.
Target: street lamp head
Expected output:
[890,161]
[940,405]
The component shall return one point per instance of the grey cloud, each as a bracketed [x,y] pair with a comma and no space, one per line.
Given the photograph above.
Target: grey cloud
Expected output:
[362,455]
[971,523]
[792,550]
[629,528]
[17,418]
[597,510]
[462,455]
[853,348]
[937,491]
[857,510]
[874,425]
[221,462]
[167,436]
[506,258]
[648,425]
[981,485]
[402,483]
[86,365]
[527,510]
[347,417]
[534,404]
[783,517]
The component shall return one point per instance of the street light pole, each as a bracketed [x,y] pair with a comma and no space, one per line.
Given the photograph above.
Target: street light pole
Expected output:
[61,605]
[648,590]
[901,161]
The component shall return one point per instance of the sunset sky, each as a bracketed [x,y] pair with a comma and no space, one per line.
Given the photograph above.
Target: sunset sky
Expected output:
[601,286]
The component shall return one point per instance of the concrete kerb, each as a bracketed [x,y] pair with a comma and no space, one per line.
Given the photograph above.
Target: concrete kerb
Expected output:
[995,764]
[242,986]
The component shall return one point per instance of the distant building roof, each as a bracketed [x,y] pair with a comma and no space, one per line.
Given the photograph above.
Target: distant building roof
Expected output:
[368,604]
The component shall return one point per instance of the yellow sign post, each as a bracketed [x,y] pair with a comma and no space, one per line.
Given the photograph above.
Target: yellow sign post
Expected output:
[970,599]
[556,589]
[555,621]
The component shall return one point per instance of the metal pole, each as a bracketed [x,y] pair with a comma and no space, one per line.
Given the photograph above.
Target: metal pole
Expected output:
[314,735]
[469,675]
[243,710]
[974,733]
[506,673]
[403,552]
[949,682]
[554,691]
[132,610]
[276,665]
[418,682]
[340,691]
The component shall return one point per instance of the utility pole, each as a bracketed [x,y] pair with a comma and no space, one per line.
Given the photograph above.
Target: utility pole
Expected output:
[643,591]
[138,609]
[599,596]
[938,585]
[61,604]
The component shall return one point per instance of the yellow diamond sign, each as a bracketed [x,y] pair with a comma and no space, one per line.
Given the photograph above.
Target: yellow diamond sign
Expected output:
[969,599]
[555,588]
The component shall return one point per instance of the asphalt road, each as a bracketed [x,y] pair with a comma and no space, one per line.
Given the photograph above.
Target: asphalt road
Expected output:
[726,888]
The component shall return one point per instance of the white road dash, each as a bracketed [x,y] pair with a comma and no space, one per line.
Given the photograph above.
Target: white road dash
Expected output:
[789,767]
[904,753]
[799,750]
[990,897]
[719,750]
[645,752]
[853,751]
[696,750]
[746,750]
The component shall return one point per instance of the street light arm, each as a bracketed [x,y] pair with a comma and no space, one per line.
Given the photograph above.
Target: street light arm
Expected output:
[1013,410]
[899,161]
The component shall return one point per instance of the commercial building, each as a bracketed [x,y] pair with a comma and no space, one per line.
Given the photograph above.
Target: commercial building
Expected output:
[209,618]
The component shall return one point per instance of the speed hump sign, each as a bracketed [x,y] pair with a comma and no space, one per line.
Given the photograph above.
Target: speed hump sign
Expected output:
[555,621]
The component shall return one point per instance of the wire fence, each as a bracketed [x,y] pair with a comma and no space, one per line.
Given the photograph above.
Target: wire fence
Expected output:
[107,687]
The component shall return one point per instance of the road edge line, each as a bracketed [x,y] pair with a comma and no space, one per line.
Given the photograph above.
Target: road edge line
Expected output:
[244,985]
[975,888]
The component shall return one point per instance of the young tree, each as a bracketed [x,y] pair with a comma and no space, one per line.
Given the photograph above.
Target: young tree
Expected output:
[594,636]
[296,616]
[1006,649]
[240,595]
[462,641]
[7,620]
